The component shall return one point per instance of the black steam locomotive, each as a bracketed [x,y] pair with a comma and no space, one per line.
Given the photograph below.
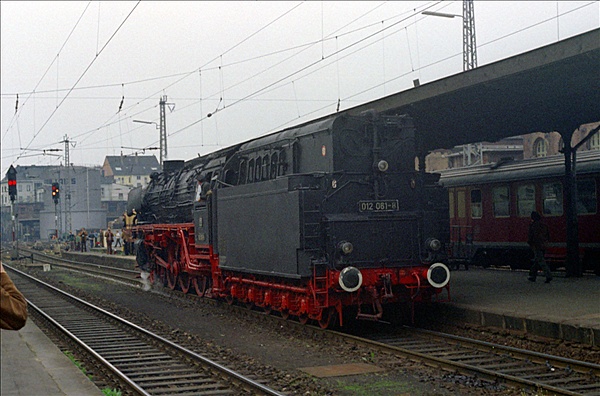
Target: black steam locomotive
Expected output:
[320,221]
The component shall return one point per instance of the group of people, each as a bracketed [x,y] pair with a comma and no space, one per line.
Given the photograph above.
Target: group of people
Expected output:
[113,240]
[78,242]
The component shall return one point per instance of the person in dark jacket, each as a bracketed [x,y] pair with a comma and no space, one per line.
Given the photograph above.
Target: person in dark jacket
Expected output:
[538,237]
[13,306]
[109,240]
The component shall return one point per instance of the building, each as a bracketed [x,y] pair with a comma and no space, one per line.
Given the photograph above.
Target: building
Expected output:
[132,170]
[475,154]
[532,145]
[536,145]
[120,175]
[38,217]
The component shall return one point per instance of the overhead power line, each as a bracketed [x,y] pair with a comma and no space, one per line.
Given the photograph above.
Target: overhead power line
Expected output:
[82,74]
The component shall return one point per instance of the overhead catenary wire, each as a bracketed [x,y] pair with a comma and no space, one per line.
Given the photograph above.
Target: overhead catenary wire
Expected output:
[49,66]
[83,74]
[231,99]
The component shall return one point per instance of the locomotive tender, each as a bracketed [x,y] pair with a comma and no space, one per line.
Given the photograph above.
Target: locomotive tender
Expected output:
[315,221]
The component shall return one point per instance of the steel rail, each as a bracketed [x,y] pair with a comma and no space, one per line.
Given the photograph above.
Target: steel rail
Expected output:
[473,369]
[222,370]
[550,361]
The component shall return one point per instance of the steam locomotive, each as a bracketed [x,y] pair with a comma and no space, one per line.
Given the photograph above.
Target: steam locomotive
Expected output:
[324,221]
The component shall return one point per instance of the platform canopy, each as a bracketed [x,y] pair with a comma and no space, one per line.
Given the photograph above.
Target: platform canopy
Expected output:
[552,88]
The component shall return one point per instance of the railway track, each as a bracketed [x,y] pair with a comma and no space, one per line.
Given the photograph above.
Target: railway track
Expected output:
[497,363]
[144,362]
[112,272]
[492,362]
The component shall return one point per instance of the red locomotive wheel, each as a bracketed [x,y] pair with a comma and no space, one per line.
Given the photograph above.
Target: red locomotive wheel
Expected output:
[185,282]
[303,319]
[159,276]
[199,283]
[285,314]
[327,317]
[171,280]
[268,309]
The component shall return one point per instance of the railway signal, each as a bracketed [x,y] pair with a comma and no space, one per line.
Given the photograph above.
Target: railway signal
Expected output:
[55,192]
[11,175]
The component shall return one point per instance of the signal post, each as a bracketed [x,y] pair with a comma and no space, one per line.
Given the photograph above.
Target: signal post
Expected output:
[11,175]
[56,198]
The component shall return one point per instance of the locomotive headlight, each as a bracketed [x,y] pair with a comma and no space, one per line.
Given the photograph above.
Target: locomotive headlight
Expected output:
[383,166]
[438,275]
[350,279]
[433,244]
[345,248]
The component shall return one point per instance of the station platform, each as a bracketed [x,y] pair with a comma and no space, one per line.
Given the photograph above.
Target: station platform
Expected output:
[32,365]
[566,308]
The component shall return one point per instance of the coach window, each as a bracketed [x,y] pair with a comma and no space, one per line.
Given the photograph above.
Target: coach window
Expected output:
[552,199]
[476,211]
[525,200]
[251,171]
[540,148]
[586,196]
[500,200]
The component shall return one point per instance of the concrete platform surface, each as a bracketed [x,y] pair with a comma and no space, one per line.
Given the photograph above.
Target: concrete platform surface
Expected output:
[32,365]
[566,308]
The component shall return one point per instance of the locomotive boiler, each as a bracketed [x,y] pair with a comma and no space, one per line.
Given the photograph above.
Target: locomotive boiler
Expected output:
[328,220]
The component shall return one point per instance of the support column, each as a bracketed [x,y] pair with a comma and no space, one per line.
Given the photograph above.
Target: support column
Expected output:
[573,264]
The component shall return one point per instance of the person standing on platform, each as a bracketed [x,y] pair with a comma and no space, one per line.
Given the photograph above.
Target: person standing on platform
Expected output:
[84,236]
[126,242]
[109,241]
[118,239]
[13,306]
[538,237]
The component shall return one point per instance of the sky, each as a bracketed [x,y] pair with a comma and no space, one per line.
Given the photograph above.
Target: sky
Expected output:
[82,72]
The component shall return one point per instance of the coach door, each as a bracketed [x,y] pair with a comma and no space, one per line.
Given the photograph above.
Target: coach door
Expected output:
[459,222]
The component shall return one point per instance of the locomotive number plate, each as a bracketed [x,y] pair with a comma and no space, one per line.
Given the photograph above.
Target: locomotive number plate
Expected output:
[378,206]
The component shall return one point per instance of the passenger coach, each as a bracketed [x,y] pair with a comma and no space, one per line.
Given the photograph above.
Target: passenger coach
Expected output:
[490,208]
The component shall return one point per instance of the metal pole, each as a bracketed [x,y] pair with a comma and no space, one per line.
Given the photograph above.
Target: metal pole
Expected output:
[469,45]
[163,129]
[87,187]
[573,264]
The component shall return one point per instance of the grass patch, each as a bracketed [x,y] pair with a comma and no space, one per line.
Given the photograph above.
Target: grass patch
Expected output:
[77,363]
[375,388]
[80,283]
[105,391]
[111,392]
